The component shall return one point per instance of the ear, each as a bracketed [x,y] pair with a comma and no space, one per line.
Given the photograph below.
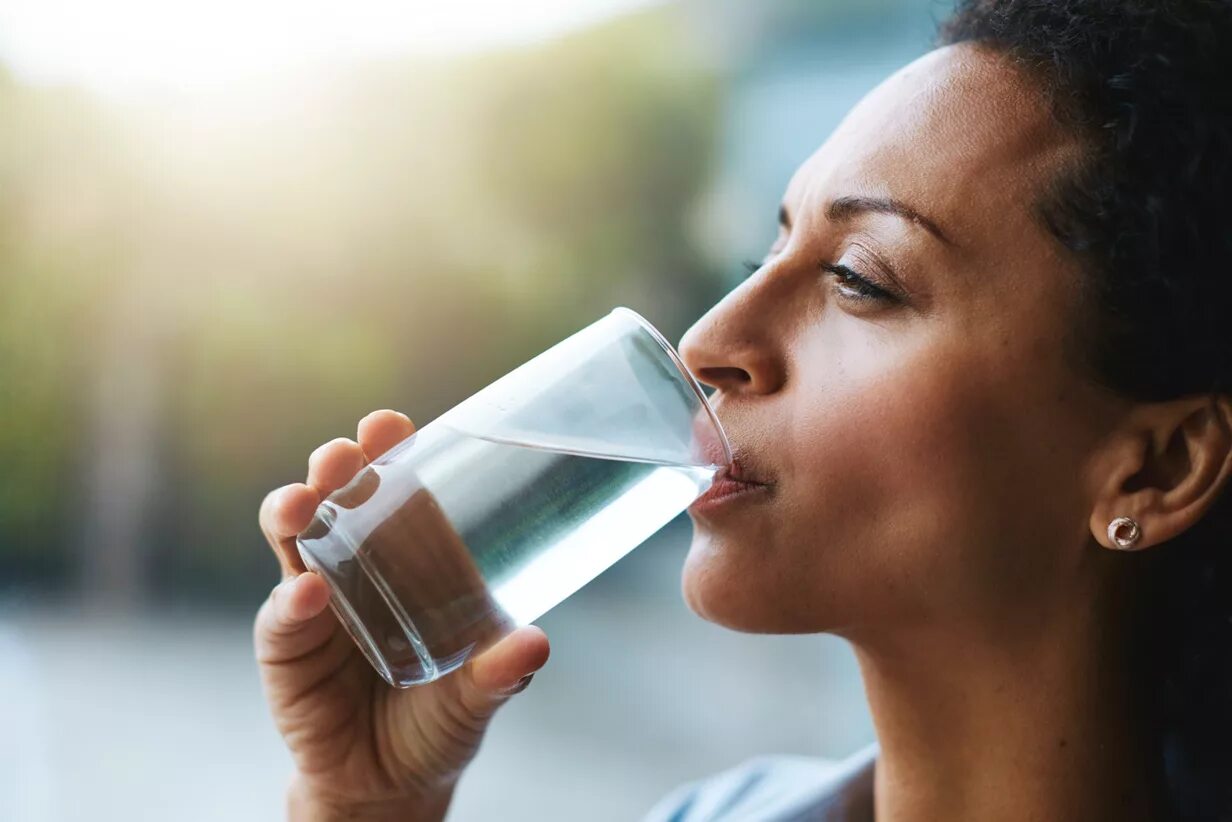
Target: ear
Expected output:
[1164,467]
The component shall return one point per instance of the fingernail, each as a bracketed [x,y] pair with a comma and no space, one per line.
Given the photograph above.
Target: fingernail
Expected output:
[520,685]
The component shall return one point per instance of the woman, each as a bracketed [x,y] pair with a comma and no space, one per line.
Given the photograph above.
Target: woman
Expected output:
[979,391]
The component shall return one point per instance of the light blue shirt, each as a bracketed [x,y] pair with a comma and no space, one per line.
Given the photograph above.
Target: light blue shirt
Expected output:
[777,789]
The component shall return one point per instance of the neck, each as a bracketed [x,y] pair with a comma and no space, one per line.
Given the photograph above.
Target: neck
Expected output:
[1010,724]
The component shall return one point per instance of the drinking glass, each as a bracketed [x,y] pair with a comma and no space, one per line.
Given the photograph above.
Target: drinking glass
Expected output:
[503,506]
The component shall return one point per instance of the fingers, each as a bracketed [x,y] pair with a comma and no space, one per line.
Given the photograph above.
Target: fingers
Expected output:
[503,670]
[333,464]
[288,510]
[382,430]
[284,513]
[292,622]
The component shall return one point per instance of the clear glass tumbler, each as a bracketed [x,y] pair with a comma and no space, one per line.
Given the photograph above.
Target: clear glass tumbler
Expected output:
[499,509]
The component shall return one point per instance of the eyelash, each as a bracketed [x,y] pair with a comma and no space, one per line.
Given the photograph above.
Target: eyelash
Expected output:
[863,288]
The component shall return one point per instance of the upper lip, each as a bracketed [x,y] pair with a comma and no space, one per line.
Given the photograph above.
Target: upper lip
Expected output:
[739,469]
[738,473]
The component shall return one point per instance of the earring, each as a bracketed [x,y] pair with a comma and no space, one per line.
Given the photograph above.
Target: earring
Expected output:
[1124,533]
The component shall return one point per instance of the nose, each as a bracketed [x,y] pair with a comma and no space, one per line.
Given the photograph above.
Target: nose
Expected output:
[732,348]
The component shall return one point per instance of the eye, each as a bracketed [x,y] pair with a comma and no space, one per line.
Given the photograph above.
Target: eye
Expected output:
[856,287]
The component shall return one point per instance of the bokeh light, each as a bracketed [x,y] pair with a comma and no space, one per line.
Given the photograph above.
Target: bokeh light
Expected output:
[229,230]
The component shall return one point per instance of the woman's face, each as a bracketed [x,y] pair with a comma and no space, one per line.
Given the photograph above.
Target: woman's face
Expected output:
[903,383]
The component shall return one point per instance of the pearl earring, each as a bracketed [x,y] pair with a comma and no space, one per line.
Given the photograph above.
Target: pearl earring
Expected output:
[1124,533]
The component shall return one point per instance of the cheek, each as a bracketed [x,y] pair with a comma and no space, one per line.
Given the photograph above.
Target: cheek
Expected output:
[939,487]
[869,466]
[889,476]
[907,491]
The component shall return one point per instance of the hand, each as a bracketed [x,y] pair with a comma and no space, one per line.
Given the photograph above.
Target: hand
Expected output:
[362,748]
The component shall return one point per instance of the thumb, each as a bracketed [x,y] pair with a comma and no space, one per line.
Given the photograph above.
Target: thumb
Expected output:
[488,680]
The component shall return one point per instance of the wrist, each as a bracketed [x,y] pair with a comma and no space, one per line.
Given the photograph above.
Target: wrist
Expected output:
[305,804]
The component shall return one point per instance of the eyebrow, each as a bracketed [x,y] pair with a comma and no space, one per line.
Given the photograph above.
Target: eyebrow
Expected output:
[846,208]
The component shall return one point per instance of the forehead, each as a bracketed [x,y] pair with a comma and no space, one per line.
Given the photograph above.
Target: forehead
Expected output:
[960,134]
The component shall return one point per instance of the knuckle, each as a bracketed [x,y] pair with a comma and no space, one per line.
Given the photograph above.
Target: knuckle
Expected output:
[473,708]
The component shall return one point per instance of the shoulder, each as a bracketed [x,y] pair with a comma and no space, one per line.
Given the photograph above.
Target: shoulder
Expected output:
[774,788]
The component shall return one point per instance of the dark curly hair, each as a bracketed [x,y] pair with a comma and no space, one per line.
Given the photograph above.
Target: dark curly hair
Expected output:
[1147,85]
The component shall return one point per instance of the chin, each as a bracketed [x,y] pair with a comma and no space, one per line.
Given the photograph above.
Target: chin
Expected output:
[740,589]
[715,588]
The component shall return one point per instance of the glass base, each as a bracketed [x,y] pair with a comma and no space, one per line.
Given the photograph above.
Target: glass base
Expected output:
[366,608]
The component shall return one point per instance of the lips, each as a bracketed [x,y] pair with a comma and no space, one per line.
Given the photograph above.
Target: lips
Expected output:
[733,480]
[736,472]
[729,485]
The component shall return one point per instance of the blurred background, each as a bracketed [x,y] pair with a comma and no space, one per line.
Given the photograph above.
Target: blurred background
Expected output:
[228,230]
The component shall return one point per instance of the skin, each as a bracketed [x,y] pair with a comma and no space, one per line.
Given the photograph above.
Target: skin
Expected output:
[937,476]
[362,750]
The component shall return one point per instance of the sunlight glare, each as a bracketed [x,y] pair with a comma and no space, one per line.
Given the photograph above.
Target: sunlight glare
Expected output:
[132,46]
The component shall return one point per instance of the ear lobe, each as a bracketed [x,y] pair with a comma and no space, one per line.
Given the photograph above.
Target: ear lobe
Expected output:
[1168,474]
[1114,476]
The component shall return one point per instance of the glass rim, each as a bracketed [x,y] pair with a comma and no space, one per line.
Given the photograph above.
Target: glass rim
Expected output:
[691,380]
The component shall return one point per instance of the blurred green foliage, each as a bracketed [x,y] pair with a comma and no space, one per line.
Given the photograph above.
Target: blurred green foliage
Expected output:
[198,291]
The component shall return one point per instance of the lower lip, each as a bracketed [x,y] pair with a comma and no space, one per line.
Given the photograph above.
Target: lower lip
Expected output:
[723,492]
